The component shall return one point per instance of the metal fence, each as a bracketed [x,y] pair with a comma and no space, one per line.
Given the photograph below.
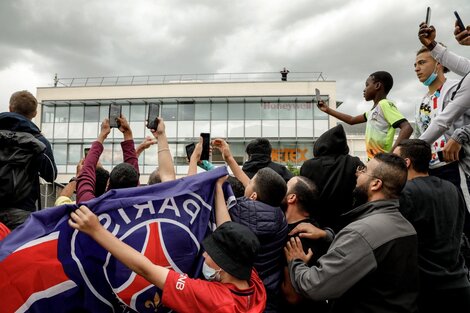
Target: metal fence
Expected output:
[185,78]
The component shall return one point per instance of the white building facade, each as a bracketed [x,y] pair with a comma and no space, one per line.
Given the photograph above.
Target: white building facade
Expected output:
[237,110]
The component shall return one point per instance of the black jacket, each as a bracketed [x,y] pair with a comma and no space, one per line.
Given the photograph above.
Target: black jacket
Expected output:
[270,226]
[47,168]
[334,172]
[259,161]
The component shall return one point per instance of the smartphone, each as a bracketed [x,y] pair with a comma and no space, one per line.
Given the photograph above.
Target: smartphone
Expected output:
[190,150]
[317,95]
[154,112]
[114,113]
[459,21]
[206,139]
[428,16]
[85,151]
[440,155]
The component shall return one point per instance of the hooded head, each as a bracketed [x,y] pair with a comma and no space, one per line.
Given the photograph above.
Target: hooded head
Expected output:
[331,142]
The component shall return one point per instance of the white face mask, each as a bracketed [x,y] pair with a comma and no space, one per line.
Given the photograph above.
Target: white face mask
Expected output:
[209,273]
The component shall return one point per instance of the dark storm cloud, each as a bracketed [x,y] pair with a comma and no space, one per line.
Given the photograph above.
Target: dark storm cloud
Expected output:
[347,40]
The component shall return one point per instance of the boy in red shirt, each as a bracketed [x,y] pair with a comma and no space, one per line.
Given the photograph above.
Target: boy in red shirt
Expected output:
[231,249]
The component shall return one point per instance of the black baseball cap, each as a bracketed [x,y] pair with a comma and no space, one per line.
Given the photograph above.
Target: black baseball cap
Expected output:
[234,248]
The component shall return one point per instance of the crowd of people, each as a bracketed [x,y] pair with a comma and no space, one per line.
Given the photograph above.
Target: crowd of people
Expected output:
[343,236]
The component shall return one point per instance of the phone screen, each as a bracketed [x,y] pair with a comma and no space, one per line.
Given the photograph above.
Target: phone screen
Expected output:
[459,21]
[206,138]
[154,112]
[428,16]
[190,150]
[317,95]
[114,113]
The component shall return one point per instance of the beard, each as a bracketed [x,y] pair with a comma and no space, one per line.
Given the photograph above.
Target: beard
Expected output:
[360,196]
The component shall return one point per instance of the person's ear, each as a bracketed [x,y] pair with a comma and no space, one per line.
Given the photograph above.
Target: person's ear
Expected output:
[378,85]
[375,184]
[408,163]
[34,114]
[253,196]
[291,198]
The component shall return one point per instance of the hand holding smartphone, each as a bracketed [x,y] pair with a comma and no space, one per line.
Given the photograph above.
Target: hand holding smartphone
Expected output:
[428,16]
[190,150]
[206,139]
[459,21]
[154,112]
[114,113]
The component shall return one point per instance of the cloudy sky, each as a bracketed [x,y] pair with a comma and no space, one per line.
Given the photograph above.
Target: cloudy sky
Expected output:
[345,39]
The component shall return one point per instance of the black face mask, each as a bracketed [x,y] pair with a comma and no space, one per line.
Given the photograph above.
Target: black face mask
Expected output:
[359,196]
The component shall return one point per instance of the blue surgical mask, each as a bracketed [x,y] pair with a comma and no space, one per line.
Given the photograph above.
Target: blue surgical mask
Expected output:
[209,273]
[431,77]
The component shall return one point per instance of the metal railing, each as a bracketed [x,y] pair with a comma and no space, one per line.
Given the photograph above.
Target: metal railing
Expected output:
[185,78]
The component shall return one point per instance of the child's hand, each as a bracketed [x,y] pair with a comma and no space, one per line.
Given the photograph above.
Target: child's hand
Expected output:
[322,106]
[462,35]
[221,180]
[84,220]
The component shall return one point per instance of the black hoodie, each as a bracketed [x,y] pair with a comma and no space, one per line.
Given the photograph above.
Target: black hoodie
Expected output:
[334,172]
[258,161]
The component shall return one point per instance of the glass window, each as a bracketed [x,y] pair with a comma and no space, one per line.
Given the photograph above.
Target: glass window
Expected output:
[48,114]
[150,157]
[75,153]
[117,154]
[219,110]
[91,113]
[170,129]
[269,109]
[253,129]
[320,127]
[90,130]
[185,111]
[60,130]
[138,129]
[137,113]
[304,129]
[287,128]
[270,129]
[304,110]
[202,111]
[107,155]
[286,110]
[61,114]
[185,129]
[235,129]
[47,130]
[104,112]
[60,153]
[76,113]
[201,127]
[219,129]
[125,111]
[252,110]
[236,109]
[169,112]
[75,131]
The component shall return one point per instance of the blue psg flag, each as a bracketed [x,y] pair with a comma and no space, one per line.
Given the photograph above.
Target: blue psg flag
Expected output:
[47,266]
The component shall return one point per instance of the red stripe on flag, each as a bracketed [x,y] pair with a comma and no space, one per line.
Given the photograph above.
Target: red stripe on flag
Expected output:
[155,254]
[28,271]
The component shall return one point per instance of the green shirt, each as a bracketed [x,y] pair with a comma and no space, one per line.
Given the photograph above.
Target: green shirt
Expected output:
[380,129]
